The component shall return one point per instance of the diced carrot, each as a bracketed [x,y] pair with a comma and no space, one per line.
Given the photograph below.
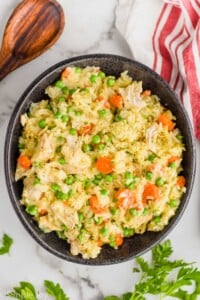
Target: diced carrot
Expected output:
[100,243]
[65,73]
[125,198]
[106,104]
[166,121]
[116,101]
[146,93]
[151,192]
[86,129]
[181,181]
[24,161]
[118,239]
[172,159]
[95,205]
[104,165]
[43,212]
[99,98]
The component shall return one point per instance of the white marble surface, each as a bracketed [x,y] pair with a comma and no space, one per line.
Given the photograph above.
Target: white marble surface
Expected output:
[90,28]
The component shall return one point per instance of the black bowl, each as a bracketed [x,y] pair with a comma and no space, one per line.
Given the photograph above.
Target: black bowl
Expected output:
[111,65]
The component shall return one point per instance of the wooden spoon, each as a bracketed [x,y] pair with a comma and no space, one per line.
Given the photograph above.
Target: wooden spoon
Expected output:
[33,27]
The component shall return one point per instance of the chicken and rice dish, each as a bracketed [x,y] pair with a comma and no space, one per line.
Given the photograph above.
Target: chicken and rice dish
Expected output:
[100,160]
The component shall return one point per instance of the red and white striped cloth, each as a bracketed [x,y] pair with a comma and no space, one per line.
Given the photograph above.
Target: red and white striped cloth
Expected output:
[165,35]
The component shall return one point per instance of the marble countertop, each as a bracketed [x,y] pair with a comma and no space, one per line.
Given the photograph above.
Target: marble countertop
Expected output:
[90,28]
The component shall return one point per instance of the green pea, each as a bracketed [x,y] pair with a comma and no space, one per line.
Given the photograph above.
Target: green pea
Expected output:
[179,137]
[128,231]
[72,91]
[96,181]
[65,118]
[104,192]
[70,179]
[78,70]
[42,123]
[31,210]
[37,164]
[61,235]
[112,241]
[62,161]
[172,165]
[118,118]
[149,175]
[173,203]
[58,115]
[82,235]
[85,90]
[111,81]
[102,112]
[93,78]
[96,139]
[70,108]
[98,220]
[114,211]
[101,146]
[145,211]
[130,186]
[151,157]
[108,178]
[133,212]
[60,84]
[128,175]
[102,75]
[73,131]
[60,138]
[70,193]
[99,176]
[65,91]
[61,196]
[21,146]
[80,216]
[61,99]
[157,219]
[86,148]
[55,187]
[36,180]
[159,182]
[78,113]
[104,231]
[86,183]
[64,227]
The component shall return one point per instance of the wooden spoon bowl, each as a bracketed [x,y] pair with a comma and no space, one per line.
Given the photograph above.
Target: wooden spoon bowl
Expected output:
[33,27]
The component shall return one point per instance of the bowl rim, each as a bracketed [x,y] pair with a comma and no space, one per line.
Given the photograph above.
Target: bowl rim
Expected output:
[7,149]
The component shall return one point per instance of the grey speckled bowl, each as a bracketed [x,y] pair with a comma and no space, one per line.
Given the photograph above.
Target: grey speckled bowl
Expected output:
[112,65]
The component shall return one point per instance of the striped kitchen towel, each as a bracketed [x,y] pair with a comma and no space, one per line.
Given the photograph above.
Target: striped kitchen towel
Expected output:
[165,35]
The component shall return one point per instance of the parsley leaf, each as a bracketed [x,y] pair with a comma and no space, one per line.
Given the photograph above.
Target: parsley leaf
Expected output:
[25,291]
[55,290]
[126,296]
[164,277]
[6,241]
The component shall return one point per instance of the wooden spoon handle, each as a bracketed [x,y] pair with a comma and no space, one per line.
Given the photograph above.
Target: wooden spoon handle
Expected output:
[8,63]
[33,27]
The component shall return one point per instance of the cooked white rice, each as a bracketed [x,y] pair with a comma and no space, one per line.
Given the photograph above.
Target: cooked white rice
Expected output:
[91,119]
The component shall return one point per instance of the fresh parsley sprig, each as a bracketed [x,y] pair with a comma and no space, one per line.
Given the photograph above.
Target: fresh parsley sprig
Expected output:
[6,242]
[25,291]
[160,277]
[156,277]
[55,290]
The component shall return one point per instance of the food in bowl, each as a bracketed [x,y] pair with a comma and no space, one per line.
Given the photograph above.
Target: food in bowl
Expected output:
[100,160]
